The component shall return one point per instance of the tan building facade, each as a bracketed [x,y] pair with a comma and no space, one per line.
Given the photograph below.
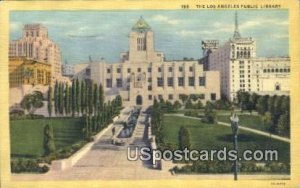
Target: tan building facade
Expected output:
[24,71]
[143,74]
[36,45]
[242,70]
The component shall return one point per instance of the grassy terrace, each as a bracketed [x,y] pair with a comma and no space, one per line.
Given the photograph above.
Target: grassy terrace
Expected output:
[208,136]
[27,136]
[251,121]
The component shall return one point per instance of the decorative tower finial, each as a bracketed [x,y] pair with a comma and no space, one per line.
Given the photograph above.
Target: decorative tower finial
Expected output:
[236,34]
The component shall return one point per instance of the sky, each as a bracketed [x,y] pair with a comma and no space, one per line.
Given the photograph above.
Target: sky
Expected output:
[178,33]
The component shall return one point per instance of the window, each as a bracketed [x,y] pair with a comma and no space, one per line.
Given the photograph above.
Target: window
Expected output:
[191,81]
[118,70]
[149,88]
[150,97]
[170,69]
[277,87]
[139,69]
[160,82]
[191,69]
[149,79]
[149,69]
[170,97]
[159,69]
[170,81]
[160,97]
[119,82]
[180,81]
[108,71]
[108,83]
[180,69]
[213,96]
[201,81]
[128,70]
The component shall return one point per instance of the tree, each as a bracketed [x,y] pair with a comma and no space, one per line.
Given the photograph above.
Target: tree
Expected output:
[183,138]
[67,100]
[31,102]
[70,100]
[56,98]
[49,97]
[77,96]
[177,105]
[268,121]
[271,101]
[253,99]
[101,98]
[96,99]
[82,97]
[284,124]
[90,99]
[243,100]
[262,105]
[210,115]
[49,144]
[73,98]
[61,98]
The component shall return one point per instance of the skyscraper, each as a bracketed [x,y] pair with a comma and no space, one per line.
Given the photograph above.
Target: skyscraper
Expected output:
[36,45]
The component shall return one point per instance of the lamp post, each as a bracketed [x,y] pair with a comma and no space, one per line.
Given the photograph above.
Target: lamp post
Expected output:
[235,126]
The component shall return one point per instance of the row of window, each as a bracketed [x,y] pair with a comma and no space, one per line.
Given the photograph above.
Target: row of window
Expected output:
[213,97]
[159,69]
[277,70]
[160,82]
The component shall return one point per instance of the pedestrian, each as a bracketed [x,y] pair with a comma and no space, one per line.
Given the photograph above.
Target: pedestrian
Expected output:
[113,131]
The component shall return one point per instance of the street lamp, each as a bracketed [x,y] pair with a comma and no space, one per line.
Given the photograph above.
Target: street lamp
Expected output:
[235,126]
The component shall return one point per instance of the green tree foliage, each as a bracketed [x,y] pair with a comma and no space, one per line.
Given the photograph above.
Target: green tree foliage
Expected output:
[73,96]
[78,96]
[49,144]
[101,98]
[32,102]
[183,138]
[49,98]
[209,114]
[83,97]
[262,104]
[56,91]
[243,100]
[284,124]
[66,99]
[156,120]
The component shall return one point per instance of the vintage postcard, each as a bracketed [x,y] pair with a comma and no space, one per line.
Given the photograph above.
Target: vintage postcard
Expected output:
[150,93]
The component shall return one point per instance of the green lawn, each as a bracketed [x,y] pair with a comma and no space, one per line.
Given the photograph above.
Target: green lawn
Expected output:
[208,136]
[27,135]
[251,121]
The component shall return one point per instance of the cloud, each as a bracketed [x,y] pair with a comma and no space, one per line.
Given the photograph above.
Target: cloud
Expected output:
[15,26]
[84,32]
[166,19]
[263,23]
[280,36]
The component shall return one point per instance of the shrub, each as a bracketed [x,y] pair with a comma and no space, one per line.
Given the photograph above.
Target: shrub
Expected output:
[32,165]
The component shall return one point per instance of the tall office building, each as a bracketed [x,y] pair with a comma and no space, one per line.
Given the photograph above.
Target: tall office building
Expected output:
[36,45]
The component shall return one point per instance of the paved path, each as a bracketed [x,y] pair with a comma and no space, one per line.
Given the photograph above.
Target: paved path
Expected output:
[240,127]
